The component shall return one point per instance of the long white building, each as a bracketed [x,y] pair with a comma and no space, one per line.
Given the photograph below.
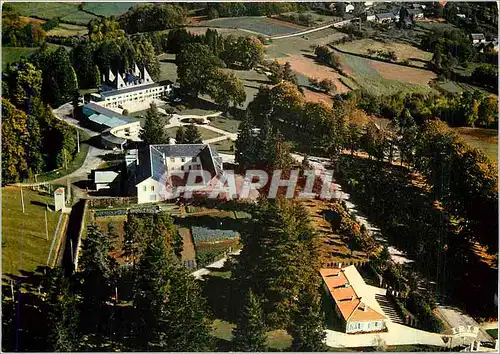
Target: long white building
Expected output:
[129,90]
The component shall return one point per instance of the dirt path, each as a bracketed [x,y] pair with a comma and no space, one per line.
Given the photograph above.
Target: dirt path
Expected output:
[188,251]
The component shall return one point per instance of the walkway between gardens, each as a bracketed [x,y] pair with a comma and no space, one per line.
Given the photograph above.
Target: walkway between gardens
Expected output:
[198,274]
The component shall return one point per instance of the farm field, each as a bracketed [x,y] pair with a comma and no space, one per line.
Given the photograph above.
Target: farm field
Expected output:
[403,51]
[108,8]
[385,78]
[67,30]
[24,244]
[13,54]
[258,25]
[483,139]
[46,10]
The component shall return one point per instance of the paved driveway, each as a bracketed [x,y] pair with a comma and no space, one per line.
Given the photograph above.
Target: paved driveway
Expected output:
[456,318]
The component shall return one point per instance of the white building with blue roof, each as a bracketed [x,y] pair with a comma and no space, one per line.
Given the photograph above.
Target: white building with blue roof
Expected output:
[152,171]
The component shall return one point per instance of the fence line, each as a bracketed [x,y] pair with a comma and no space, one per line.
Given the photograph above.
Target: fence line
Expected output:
[54,236]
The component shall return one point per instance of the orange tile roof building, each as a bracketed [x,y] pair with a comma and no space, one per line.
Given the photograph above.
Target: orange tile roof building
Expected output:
[347,289]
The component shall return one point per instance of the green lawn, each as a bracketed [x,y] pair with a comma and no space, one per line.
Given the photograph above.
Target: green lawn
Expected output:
[229,125]
[72,166]
[276,340]
[24,244]
[47,10]
[224,146]
[13,54]
[205,133]
[493,332]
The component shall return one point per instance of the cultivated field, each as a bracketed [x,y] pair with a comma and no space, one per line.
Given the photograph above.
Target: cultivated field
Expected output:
[414,55]
[24,243]
[108,8]
[67,30]
[47,10]
[257,25]
[483,139]
[385,78]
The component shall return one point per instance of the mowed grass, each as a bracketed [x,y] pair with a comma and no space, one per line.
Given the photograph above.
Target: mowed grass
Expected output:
[403,51]
[24,244]
[482,139]
[277,339]
[205,133]
[108,8]
[48,10]
[13,54]
[229,125]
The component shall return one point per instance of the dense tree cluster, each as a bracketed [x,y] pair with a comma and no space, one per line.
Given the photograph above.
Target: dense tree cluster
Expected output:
[281,73]
[279,262]
[189,135]
[326,56]
[152,17]
[462,109]
[59,79]
[33,139]
[199,72]
[239,52]
[309,125]
[92,59]
[18,33]
[262,148]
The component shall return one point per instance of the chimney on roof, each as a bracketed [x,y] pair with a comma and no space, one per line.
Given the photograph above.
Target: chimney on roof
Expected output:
[340,264]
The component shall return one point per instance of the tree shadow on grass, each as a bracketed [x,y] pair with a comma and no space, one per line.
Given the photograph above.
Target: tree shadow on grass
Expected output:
[222,297]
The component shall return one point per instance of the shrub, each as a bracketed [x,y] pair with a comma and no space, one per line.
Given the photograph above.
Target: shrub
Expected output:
[125,112]
[104,213]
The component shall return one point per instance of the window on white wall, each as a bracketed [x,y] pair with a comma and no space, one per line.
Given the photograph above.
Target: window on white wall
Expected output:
[152,197]
[183,159]
[145,188]
[152,188]
[172,159]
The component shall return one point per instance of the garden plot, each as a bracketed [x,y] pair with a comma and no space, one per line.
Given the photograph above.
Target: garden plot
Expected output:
[211,244]
[257,25]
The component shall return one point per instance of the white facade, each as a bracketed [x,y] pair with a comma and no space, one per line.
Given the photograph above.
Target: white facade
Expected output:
[140,95]
[149,191]
[365,326]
